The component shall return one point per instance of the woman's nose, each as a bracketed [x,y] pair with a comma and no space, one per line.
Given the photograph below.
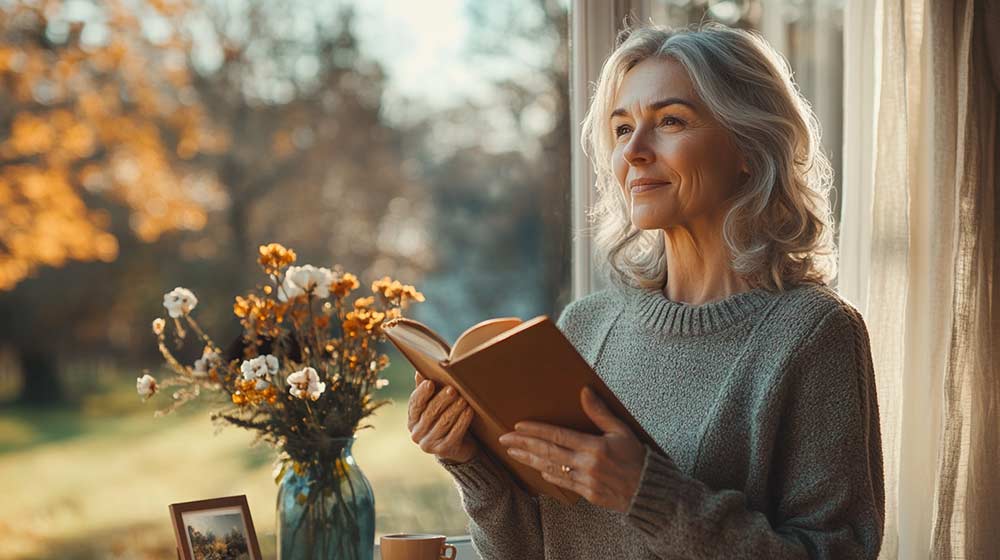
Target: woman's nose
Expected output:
[637,151]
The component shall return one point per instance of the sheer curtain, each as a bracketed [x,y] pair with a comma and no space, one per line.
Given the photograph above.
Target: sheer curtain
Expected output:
[921,261]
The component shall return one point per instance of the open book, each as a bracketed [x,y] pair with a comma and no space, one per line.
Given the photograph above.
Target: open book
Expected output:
[511,370]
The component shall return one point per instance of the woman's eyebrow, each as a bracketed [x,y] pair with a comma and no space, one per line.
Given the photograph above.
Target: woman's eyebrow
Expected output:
[657,105]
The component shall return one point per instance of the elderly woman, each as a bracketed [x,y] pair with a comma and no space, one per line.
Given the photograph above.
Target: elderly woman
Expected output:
[719,334]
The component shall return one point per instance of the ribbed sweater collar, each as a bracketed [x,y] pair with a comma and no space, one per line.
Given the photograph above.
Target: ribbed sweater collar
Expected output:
[660,314]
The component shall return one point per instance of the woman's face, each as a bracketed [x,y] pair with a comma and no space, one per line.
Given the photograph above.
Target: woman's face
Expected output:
[665,136]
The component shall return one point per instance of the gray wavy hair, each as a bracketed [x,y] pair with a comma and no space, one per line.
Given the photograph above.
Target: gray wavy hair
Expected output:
[779,230]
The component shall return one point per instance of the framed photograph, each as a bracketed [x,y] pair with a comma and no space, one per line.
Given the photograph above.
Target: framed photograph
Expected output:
[220,528]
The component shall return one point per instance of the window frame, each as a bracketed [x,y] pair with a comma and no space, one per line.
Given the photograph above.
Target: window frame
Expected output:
[593,30]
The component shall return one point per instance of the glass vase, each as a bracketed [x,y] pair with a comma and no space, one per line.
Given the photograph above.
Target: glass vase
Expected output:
[326,511]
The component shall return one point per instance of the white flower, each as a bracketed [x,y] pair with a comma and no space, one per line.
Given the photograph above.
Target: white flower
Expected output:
[259,368]
[179,302]
[381,383]
[145,386]
[208,359]
[303,279]
[305,383]
[158,325]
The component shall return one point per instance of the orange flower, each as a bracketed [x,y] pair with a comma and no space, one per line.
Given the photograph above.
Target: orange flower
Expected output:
[261,314]
[362,321]
[274,257]
[247,394]
[395,291]
[352,326]
[386,286]
[343,286]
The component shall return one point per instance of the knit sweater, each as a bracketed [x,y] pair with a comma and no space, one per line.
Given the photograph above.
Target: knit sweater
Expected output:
[764,404]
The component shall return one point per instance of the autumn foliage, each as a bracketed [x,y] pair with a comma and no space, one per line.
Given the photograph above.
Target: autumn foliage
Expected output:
[93,119]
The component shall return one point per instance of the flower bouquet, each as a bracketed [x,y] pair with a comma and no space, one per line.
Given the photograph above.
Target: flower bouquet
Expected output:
[303,377]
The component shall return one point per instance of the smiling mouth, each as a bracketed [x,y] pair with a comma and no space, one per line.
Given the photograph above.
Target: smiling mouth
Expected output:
[651,186]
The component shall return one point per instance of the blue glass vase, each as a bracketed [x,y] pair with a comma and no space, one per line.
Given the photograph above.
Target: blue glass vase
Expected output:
[326,511]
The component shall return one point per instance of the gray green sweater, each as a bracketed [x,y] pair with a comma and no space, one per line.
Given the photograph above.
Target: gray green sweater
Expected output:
[765,405]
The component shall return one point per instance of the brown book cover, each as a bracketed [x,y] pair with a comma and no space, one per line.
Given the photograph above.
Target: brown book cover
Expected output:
[509,371]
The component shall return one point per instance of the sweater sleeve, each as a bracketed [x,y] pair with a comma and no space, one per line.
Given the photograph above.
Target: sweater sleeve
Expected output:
[503,520]
[826,468]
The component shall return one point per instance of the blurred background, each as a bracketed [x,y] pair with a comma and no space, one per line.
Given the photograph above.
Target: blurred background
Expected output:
[148,144]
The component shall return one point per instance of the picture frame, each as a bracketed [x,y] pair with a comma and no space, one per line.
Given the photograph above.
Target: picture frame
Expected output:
[224,524]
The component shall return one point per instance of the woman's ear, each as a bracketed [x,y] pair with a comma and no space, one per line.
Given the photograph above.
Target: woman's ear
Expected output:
[744,174]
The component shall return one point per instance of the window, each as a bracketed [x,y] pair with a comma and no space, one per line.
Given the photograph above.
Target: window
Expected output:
[423,140]
[437,142]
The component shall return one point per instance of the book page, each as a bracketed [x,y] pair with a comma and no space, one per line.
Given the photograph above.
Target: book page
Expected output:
[420,340]
[480,333]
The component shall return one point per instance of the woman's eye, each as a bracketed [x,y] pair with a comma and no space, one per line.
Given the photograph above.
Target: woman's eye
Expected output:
[621,130]
[671,121]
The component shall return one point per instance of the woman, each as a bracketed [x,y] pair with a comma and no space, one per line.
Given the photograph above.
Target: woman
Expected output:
[719,334]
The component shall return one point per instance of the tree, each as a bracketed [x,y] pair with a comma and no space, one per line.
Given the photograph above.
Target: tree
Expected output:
[90,132]
[82,119]
[226,126]
[533,36]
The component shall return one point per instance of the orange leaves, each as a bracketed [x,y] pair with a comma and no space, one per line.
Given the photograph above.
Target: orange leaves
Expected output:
[44,222]
[30,135]
[8,59]
[116,118]
[33,134]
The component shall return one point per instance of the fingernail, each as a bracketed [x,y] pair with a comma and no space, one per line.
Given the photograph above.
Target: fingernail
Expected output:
[450,391]
[504,439]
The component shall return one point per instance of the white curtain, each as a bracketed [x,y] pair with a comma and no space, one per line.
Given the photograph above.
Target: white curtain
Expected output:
[921,261]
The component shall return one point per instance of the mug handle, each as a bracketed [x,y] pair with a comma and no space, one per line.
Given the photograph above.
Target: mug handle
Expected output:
[453,550]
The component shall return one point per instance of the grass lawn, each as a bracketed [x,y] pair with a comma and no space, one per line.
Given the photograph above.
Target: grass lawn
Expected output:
[95,480]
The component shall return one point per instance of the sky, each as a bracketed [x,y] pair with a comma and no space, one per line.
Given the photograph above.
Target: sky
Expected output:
[218,521]
[421,45]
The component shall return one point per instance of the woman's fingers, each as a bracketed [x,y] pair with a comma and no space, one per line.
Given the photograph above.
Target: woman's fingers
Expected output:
[418,402]
[563,437]
[542,449]
[442,426]
[544,464]
[457,434]
[429,415]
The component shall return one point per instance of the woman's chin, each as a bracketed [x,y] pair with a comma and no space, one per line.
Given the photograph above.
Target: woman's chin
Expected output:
[645,222]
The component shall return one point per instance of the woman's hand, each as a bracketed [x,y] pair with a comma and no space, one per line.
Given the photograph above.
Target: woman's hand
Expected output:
[604,469]
[439,422]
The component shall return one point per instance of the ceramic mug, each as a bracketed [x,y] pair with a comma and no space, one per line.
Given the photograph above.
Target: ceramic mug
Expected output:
[406,546]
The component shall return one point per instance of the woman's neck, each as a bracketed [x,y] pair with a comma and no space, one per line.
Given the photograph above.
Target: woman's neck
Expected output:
[698,266]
